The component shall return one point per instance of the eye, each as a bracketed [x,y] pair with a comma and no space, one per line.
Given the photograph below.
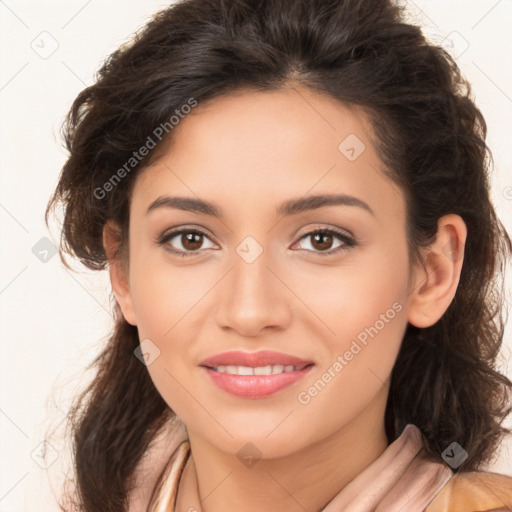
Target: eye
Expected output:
[188,240]
[323,239]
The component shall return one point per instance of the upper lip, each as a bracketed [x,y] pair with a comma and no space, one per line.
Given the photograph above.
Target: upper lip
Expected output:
[254,359]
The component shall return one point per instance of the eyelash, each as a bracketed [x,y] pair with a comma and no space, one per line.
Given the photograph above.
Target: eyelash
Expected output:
[348,241]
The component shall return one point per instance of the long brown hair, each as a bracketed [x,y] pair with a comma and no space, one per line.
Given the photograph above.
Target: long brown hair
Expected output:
[429,134]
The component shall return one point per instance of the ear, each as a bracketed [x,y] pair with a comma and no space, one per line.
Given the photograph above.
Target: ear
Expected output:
[436,281]
[118,270]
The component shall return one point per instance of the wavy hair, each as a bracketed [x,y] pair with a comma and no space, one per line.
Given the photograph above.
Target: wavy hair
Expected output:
[429,134]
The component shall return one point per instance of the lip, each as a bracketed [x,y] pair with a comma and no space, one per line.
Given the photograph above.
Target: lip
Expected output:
[255,386]
[253,359]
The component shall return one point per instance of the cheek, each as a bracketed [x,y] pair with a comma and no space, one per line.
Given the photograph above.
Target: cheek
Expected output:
[364,306]
[369,323]
[169,303]
[163,292]
[366,292]
[369,327]
[163,299]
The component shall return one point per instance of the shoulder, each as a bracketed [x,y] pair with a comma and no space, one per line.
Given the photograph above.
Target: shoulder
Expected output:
[474,491]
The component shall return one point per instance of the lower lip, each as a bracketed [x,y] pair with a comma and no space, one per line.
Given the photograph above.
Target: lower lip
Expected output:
[255,386]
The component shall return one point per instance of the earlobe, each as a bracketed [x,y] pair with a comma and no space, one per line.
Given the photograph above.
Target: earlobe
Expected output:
[118,270]
[436,281]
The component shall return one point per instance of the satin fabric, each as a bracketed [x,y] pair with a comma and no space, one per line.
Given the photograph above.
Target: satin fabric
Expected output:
[401,479]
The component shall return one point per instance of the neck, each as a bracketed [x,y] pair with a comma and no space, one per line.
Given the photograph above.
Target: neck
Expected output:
[213,481]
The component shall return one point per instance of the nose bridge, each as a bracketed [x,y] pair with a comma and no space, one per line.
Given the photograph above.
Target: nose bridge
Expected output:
[252,296]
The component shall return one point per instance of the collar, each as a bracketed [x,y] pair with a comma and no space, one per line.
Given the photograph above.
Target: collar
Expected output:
[401,479]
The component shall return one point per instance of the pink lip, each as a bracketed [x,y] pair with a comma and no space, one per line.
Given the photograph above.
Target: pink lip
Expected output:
[255,386]
[253,359]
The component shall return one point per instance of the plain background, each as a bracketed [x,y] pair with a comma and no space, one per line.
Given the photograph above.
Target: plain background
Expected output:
[54,321]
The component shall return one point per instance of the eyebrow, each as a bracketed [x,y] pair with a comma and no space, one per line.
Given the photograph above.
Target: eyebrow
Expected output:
[290,207]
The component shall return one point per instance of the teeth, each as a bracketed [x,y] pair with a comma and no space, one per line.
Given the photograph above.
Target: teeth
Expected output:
[258,370]
[242,370]
[262,370]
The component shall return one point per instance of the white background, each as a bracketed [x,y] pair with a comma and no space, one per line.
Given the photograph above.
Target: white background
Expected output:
[53,321]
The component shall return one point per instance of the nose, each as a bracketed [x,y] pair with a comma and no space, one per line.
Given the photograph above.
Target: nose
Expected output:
[253,296]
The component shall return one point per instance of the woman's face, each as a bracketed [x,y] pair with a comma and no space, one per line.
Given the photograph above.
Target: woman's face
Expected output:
[259,276]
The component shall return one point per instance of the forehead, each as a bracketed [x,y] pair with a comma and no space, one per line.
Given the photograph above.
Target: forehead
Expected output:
[254,147]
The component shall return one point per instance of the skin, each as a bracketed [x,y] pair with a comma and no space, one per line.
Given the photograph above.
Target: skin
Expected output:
[248,152]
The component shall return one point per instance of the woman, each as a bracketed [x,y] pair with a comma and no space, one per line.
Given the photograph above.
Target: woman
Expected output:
[292,201]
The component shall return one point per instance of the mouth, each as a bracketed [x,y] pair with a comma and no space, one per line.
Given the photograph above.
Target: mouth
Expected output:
[255,375]
[275,369]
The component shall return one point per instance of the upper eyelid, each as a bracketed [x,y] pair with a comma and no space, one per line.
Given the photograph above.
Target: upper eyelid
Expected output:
[337,231]
[171,233]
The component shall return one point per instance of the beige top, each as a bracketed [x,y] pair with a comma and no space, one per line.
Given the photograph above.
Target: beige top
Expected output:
[401,479]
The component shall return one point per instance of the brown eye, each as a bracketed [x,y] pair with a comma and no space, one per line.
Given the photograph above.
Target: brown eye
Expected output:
[322,240]
[184,242]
